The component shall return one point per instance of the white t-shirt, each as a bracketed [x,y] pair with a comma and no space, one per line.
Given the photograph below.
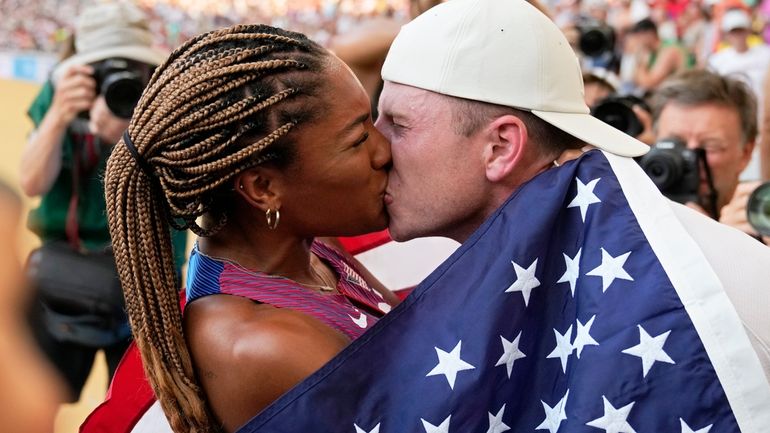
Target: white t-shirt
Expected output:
[750,66]
[742,264]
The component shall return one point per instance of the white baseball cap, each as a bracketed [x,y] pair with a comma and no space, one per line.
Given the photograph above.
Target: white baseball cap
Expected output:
[115,29]
[504,52]
[735,19]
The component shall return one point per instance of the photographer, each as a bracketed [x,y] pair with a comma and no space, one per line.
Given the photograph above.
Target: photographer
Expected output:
[717,114]
[79,115]
[627,113]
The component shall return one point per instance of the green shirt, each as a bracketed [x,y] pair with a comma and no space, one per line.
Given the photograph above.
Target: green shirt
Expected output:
[49,220]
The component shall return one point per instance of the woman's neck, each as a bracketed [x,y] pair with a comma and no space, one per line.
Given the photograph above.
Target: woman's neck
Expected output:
[271,252]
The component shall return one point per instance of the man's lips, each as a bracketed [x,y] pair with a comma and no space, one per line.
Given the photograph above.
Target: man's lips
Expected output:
[387,198]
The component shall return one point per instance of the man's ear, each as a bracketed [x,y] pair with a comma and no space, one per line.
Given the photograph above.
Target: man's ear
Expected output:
[258,186]
[506,138]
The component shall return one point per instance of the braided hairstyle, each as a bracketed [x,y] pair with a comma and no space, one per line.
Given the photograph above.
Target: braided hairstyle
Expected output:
[223,102]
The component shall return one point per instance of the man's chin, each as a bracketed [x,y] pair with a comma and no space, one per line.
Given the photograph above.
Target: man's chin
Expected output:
[398,234]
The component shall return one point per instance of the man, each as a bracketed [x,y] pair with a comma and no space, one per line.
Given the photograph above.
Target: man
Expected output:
[739,56]
[79,115]
[718,114]
[655,60]
[580,296]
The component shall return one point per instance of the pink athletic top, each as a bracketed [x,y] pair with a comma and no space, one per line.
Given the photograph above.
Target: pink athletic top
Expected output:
[355,309]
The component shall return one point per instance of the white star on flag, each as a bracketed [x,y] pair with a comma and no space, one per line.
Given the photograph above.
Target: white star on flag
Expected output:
[583,337]
[611,268]
[525,280]
[563,347]
[573,271]
[511,353]
[376,429]
[585,197]
[554,415]
[449,364]
[650,349]
[686,428]
[614,420]
[496,424]
[441,428]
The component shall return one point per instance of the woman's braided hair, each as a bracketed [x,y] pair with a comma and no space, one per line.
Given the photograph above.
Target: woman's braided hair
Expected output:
[224,101]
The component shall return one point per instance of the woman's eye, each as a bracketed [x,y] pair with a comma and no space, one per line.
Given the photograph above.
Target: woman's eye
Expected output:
[362,140]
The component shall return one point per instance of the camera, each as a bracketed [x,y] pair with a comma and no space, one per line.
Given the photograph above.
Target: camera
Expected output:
[674,169]
[596,39]
[618,111]
[121,81]
[758,209]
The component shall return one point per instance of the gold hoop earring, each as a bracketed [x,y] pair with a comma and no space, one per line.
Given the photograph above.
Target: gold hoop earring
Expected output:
[272,217]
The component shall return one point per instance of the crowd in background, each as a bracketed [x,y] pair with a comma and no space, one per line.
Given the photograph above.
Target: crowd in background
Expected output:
[43,25]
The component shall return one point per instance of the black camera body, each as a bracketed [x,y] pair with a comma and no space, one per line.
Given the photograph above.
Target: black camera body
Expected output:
[674,169]
[122,82]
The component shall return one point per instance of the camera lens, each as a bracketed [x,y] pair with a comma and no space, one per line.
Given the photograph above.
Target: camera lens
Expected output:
[665,170]
[122,91]
[593,43]
[617,112]
[758,209]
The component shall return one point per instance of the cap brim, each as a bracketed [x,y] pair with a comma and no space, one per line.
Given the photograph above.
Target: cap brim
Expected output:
[142,54]
[595,132]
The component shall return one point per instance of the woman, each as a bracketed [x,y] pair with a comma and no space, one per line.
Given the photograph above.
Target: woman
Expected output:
[258,140]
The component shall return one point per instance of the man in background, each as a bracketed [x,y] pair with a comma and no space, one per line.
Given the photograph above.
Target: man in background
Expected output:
[718,114]
[79,115]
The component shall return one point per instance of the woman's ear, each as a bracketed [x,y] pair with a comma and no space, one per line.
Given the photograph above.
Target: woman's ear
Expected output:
[258,186]
[506,139]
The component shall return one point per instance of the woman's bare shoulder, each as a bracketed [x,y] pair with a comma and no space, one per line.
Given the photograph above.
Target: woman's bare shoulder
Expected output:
[247,354]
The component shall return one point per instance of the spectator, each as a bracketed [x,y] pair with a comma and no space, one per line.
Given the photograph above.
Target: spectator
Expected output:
[745,61]
[717,114]
[654,60]
[63,163]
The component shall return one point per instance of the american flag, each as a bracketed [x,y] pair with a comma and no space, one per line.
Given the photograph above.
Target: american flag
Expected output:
[564,312]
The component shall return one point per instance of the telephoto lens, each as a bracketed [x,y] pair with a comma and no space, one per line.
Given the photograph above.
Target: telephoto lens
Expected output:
[758,209]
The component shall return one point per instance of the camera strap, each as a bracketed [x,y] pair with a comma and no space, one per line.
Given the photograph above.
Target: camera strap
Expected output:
[85,157]
[712,193]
